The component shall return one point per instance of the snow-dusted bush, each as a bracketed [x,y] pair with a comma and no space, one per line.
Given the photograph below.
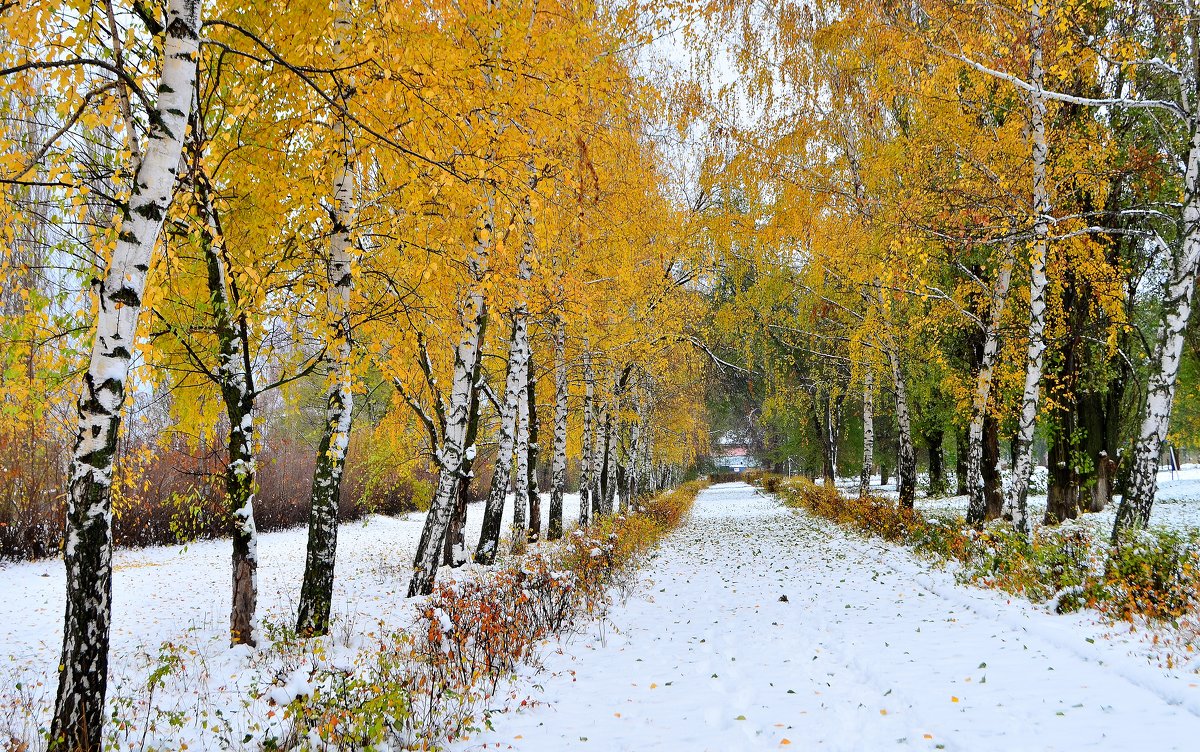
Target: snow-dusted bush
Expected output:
[430,684]
[1151,574]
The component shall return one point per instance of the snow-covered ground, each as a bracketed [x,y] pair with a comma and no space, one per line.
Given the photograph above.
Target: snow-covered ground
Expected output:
[181,594]
[756,627]
[1177,504]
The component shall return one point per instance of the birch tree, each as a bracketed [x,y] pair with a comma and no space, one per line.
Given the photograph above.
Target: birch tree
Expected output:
[1023,450]
[235,378]
[976,487]
[534,498]
[451,453]
[78,720]
[868,416]
[559,460]
[587,470]
[316,592]
[493,515]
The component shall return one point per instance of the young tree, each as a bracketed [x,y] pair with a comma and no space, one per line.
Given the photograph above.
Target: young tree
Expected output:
[316,592]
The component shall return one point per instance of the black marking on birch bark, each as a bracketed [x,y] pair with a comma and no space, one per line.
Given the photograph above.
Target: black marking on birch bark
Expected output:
[127,236]
[126,296]
[179,28]
[150,210]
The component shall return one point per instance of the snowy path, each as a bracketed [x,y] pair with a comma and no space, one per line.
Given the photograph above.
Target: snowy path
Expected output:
[872,650]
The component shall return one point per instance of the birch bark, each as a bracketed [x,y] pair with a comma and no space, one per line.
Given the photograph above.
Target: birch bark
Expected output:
[559,463]
[235,379]
[454,550]
[632,484]
[588,475]
[454,445]
[976,487]
[316,592]
[609,473]
[1136,503]
[868,463]
[78,721]
[521,485]
[906,461]
[1023,451]
[534,493]
[906,465]
[493,515]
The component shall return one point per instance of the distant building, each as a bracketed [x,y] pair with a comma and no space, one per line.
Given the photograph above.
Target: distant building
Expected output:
[735,460]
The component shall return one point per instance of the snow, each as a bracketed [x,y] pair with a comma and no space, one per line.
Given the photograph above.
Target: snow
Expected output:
[758,627]
[1176,506]
[181,595]
[751,626]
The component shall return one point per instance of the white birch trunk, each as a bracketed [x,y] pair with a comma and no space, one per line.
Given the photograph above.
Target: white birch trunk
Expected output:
[493,515]
[1019,491]
[906,463]
[612,423]
[906,470]
[633,482]
[588,471]
[977,508]
[648,456]
[316,593]
[236,382]
[532,492]
[458,410]
[78,721]
[1136,503]
[559,461]
[521,486]
[868,463]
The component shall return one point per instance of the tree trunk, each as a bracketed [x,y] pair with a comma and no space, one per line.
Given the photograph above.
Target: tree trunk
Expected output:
[78,722]
[534,493]
[1062,495]
[632,480]
[587,466]
[493,515]
[316,592]
[521,486]
[960,462]
[906,460]
[454,550]
[826,424]
[1023,449]
[1063,376]
[979,465]
[454,446]
[610,455]
[235,380]
[598,446]
[992,483]
[906,466]
[1134,509]
[603,440]
[937,471]
[868,462]
[1102,491]
[558,485]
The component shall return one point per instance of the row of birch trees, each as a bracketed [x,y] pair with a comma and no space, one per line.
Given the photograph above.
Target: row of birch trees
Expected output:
[219,205]
[980,217]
